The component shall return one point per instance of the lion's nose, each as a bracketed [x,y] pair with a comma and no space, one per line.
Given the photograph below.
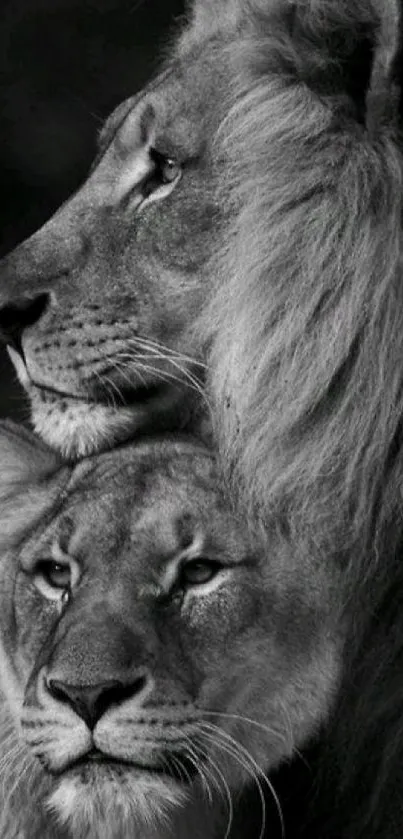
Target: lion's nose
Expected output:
[90,702]
[19,314]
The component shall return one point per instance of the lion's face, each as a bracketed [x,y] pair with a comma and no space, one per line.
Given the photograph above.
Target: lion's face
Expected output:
[98,306]
[147,649]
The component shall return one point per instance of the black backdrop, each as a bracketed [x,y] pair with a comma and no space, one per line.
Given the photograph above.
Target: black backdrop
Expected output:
[64,65]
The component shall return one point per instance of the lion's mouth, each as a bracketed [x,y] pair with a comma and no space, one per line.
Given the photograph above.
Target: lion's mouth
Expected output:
[98,390]
[129,395]
[122,397]
[102,411]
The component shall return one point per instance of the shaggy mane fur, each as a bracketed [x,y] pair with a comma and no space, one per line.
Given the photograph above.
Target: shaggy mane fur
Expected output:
[319,322]
[306,330]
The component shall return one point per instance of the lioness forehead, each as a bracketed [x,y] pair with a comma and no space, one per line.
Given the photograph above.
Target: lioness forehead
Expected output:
[148,501]
[145,468]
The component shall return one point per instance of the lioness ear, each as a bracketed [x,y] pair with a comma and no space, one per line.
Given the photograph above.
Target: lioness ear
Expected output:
[31,477]
[24,459]
[350,49]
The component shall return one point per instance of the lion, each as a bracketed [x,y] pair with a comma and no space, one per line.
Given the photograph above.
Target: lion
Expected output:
[153,662]
[236,252]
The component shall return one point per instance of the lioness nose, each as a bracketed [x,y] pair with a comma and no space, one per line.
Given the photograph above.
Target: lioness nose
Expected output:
[19,314]
[91,701]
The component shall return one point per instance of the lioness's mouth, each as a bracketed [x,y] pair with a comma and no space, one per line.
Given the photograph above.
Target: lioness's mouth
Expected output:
[176,767]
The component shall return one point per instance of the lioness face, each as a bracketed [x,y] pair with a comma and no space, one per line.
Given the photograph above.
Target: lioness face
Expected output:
[97,307]
[147,649]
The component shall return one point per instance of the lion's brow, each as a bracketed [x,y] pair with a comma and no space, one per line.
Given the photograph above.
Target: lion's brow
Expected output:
[116,119]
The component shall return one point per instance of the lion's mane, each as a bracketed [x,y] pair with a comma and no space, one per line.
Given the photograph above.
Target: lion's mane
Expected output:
[306,337]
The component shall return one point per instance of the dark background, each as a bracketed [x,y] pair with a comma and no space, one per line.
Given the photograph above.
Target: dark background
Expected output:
[64,65]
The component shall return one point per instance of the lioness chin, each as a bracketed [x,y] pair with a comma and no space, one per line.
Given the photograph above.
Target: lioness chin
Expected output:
[153,662]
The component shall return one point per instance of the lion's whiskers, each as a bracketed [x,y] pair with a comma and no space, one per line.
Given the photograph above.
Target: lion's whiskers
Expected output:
[228,795]
[288,724]
[130,361]
[123,362]
[181,769]
[271,731]
[9,735]
[8,758]
[148,343]
[8,764]
[242,718]
[162,352]
[233,751]
[245,759]
[193,757]
[192,381]
[104,378]
[27,765]
[221,786]
[174,357]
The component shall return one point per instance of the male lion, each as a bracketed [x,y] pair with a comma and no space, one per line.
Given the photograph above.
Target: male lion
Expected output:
[257,182]
[153,662]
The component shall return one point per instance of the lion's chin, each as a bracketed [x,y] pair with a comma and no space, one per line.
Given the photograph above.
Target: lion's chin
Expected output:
[79,429]
[111,805]
[79,426]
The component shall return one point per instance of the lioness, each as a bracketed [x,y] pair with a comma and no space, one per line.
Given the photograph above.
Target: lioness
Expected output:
[153,661]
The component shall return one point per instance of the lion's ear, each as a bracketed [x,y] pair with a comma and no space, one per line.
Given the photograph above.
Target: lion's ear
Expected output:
[349,49]
[207,18]
[24,459]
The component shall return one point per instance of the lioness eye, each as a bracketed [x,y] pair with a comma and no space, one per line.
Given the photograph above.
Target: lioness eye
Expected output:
[198,571]
[56,574]
[53,579]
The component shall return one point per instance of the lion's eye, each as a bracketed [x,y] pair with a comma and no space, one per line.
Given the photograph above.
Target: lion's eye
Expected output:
[169,170]
[165,173]
[196,572]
